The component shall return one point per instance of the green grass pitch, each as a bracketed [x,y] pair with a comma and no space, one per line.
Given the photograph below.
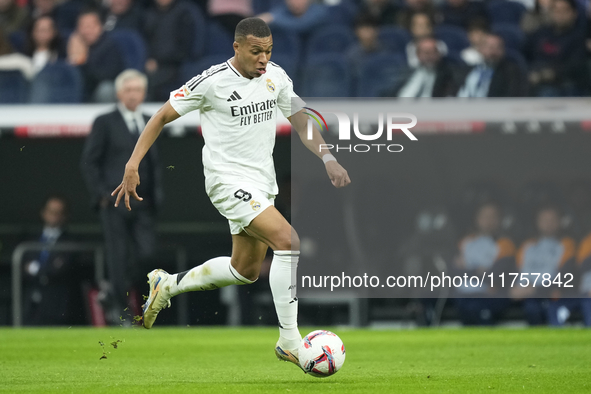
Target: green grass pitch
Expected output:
[216,360]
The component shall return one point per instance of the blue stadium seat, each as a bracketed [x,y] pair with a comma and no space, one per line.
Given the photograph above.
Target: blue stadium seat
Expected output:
[394,39]
[191,69]
[219,41]
[17,40]
[132,46]
[454,37]
[200,35]
[511,34]
[330,39]
[57,83]
[343,13]
[379,72]
[286,43]
[13,87]
[326,75]
[505,11]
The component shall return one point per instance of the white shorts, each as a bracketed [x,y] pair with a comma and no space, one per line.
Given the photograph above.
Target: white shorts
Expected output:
[239,203]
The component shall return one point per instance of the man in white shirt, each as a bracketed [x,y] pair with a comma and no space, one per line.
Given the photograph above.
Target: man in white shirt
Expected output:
[107,149]
[238,100]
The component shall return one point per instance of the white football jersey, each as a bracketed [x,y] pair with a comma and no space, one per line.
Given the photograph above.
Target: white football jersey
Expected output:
[238,122]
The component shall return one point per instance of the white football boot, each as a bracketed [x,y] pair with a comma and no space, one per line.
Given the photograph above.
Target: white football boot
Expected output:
[159,297]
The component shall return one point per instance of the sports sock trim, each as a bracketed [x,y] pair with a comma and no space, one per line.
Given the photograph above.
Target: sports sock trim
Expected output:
[181,275]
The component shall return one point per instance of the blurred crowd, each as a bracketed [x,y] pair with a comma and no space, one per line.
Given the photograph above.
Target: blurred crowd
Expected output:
[72,50]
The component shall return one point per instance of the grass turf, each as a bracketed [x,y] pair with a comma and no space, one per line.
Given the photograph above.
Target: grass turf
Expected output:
[215,360]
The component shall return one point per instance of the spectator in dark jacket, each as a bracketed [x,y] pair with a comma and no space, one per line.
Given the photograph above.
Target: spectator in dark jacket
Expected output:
[497,76]
[123,14]
[557,54]
[383,11]
[412,7]
[463,12]
[98,57]
[44,44]
[434,76]
[297,16]
[169,31]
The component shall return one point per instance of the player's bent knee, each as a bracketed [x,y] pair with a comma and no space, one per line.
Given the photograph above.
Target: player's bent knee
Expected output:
[288,240]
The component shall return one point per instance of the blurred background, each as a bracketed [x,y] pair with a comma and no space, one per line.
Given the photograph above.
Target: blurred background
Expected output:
[476,195]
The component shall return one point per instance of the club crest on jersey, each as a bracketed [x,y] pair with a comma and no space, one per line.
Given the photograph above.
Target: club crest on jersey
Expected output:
[270,86]
[182,92]
[255,205]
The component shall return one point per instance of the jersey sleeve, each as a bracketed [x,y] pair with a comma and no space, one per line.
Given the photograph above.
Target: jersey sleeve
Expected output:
[286,94]
[191,95]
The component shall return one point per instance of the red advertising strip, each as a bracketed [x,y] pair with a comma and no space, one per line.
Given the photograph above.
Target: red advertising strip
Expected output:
[586,125]
[51,131]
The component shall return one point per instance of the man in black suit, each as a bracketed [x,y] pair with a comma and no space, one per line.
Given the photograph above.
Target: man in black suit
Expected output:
[434,77]
[51,293]
[497,76]
[106,151]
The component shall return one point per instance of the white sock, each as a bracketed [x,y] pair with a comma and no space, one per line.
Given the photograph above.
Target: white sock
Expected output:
[282,279]
[213,274]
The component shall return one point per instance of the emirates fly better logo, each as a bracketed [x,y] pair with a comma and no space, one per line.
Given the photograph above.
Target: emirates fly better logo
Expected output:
[392,123]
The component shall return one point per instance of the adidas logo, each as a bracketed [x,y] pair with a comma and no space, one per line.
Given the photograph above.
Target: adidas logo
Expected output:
[235,96]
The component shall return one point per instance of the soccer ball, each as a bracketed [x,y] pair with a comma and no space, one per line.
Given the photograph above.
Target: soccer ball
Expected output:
[321,353]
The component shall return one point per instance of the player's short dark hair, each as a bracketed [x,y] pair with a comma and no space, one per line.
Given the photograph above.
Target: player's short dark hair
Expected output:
[251,27]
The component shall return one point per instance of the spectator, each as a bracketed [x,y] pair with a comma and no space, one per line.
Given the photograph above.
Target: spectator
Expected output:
[548,255]
[411,7]
[12,17]
[496,76]
[477,31]
[65,14]
[557,54]
[298,16]
[97,56]
[12,61]
[421,25]
[434,77]
[43,43]
[463,12]
[484,251]
[383,11]
[538,17]
[123,14]
[169,33]
[107,149]
[50,288]
[229,12]
[366,30]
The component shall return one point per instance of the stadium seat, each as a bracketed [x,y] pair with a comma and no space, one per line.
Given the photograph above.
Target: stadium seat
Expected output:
[13,87]
[379,72]
[57,83]
[219,41]
[343,13]
[454,37]
[330,39]
[193,68]
[200,36]
[286,44]
[394,39]
[18,40]
[326,75]
[511,34]
[132,46]
[501,11]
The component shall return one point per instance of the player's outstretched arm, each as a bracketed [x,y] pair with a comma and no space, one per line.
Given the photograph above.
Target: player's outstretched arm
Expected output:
[131,178]
[337,174]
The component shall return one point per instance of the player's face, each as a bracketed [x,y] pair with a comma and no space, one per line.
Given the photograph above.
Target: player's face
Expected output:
[132,93]
[252,55]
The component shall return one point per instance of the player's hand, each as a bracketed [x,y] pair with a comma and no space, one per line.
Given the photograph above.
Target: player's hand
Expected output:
[337,174]
[131,179]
